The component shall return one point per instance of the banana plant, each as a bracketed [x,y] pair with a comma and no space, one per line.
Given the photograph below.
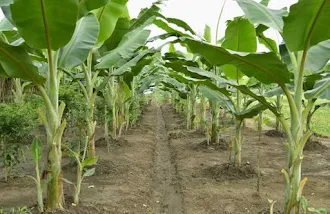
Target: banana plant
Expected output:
[82,163]
[18,91]
[119,54]
[304,38]
[120,95]
[91,32]
[42,29]
[240,36]
[36,156]
[220,97]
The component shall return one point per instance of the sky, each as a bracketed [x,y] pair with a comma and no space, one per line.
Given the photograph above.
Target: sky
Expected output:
[198,13]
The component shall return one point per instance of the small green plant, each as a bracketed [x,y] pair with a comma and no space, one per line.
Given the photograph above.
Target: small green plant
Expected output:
[82,162]
[36,156]
[271,204]
[18,210]
[11,156]
[17,122]
[305,206]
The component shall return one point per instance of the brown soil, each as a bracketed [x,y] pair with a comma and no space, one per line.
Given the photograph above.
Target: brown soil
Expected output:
[274,133]
[221,146]
[228,171]
[202,193]
[314,145]
[320,135]
[120,142]
[153,171]
[266,211]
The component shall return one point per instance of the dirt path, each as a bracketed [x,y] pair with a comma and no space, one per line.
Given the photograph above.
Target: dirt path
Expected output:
[167,188]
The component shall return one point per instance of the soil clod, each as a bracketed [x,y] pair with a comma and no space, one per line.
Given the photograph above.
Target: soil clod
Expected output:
[274,133]
[106,167]
[266,211]
[120,142]
[204,145]
[314,145]
[176,135]
[228,171]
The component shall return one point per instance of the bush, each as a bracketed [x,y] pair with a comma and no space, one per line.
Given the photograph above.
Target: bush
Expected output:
[35,100]
[75,104]
[17,122]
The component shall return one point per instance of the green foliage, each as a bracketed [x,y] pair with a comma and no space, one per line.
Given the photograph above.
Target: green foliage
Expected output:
[267,42]
[258,13]
[108,17]
[135,108]
[18,210]
[130,42]
[320,123]
[81,43]
[265,67]
[34,100]
[88,5]
[75,104]
[36,150]
[17,122]
[304,27]
[318,56]
[48,25]
[11,155]
[99,109]
[15,62]
[240,36]
[307,209]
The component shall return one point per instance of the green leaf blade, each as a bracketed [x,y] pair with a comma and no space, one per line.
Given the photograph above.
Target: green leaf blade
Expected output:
[15,62]
[36,150]
[89,172]
[82,41]
[318,56]
[85,6]
[39,22]
[127,46]
[89,161]
[266,67]
[108,17]
[258,13]
[304,27]
[240,36]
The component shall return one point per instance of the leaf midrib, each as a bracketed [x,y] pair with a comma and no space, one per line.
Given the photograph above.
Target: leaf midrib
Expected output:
[17,63]
[74,39]
[267,13]
[247,62]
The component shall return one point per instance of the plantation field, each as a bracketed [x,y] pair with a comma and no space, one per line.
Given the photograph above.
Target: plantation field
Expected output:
[109,106]
[160,167]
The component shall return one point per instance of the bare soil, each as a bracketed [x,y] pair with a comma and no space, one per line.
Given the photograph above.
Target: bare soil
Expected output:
[205,173]
[274,133]
[159,167]
[229,171]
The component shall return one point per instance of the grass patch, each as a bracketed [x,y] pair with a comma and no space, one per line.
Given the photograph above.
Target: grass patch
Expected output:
[320,121]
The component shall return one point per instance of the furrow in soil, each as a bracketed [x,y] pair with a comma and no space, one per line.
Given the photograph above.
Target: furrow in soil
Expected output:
[167,188]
